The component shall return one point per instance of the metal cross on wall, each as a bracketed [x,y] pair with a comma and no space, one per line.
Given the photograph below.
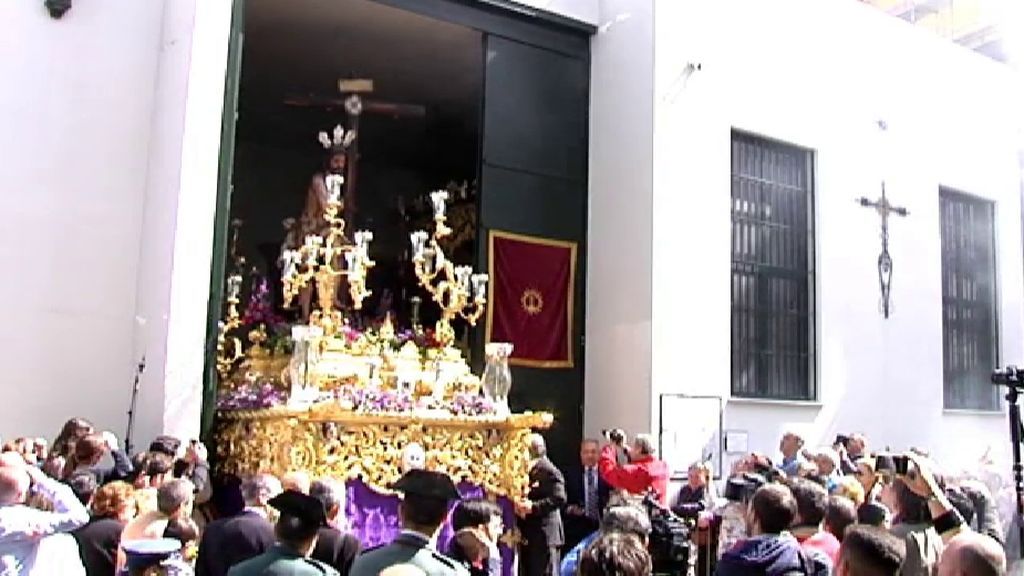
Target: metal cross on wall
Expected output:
[884,209]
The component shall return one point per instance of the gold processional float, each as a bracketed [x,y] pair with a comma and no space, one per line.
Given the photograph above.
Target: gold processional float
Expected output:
[364,404]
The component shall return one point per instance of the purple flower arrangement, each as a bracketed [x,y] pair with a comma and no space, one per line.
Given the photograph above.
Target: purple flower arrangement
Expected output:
[259,309]
[252,396]
[364,399]
[391,402]
[470,405]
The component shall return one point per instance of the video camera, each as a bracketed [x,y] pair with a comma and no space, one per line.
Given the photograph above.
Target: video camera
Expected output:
[1011,377]
[670,543]
[615,435]
[741,488]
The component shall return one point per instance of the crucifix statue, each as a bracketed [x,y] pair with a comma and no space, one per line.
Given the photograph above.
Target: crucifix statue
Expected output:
[355,103]
[884,209]
[341,158]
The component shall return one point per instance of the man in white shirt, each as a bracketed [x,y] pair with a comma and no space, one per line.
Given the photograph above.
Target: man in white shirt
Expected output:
[22,528]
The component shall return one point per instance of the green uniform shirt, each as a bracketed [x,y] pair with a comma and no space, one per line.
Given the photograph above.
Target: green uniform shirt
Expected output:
[407,548]
[281,562]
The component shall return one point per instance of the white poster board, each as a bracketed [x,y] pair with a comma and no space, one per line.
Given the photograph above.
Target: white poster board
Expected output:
[690,431]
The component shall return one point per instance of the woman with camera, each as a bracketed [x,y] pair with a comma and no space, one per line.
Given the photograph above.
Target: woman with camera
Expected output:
[641,474]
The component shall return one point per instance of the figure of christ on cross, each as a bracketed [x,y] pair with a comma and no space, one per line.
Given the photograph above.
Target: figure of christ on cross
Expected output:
[341,160]
[884,209]
[313,222]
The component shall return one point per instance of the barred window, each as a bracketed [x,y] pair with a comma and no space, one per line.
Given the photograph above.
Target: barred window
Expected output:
[772,270]
[969,333]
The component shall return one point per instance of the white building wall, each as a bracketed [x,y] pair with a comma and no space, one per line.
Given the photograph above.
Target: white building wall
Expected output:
[107,191]
[199,97]
[75,114]
[618,323]
[819,74]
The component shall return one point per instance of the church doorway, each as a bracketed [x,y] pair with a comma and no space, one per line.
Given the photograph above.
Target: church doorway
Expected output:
[488,100]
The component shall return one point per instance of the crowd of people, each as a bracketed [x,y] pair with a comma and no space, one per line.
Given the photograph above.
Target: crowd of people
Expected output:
[82,505]
[840,510]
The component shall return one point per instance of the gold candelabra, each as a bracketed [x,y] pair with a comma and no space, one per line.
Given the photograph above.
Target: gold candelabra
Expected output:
[456,289]
[325,260]
[229,348]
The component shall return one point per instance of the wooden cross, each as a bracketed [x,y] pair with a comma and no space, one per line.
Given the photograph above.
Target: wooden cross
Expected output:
[884,209]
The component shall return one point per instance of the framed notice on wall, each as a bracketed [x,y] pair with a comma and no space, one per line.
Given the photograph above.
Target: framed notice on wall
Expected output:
[690,430]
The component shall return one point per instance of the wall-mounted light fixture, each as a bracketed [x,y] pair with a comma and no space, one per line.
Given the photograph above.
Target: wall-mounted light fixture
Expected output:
[57,8]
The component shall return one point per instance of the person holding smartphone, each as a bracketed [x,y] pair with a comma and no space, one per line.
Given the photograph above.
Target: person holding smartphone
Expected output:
[925,518]
[851,449]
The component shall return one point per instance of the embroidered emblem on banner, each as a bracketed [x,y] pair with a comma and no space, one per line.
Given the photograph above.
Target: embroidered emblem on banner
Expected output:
[532,301]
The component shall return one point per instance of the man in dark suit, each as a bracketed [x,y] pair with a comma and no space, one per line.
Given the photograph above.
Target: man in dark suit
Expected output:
[229,541]
[587,494]
[334,547]
[540,518]
[297,529]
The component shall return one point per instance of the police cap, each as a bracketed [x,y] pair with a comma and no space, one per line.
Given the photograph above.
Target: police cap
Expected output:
[309,511]
[142,554]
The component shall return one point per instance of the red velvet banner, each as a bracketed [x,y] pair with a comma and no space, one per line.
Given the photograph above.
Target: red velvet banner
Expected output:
[531,298]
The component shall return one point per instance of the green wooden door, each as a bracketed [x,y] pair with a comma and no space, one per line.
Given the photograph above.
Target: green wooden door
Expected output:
[222,219]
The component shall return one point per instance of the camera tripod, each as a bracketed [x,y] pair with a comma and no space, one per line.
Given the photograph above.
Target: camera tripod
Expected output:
[128,446]
[1013,378]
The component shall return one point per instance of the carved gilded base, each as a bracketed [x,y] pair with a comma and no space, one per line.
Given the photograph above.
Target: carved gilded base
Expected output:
[488,451]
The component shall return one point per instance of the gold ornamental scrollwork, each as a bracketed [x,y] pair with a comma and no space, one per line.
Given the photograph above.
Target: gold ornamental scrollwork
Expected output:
[487,451]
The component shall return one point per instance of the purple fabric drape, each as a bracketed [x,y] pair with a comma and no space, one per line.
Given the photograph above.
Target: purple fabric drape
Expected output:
[373,518]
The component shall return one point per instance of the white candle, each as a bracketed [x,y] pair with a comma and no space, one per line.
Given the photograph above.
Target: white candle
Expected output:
[351,261]
[438,199]
[291,259]
[234,285]
[334,183]
[462,276]
[428,263]
[363,239]
[480,287]
[419,241]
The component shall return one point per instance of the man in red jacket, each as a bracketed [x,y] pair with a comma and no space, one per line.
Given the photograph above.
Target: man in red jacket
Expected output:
[642,473]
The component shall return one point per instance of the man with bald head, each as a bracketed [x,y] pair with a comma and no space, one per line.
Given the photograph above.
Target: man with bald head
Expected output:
[790,446]
[23,528]
[540,519]
[972,554]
